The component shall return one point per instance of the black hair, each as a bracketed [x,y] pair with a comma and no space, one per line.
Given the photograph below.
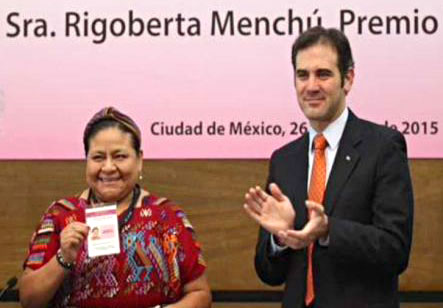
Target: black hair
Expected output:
[332,37]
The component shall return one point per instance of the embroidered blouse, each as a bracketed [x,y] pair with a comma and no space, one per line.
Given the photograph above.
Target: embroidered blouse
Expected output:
[158,256]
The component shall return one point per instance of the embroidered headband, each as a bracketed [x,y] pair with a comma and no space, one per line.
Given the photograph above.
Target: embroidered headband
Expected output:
[110,113]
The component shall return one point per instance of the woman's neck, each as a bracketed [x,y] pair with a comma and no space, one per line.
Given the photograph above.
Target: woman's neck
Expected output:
[122,205]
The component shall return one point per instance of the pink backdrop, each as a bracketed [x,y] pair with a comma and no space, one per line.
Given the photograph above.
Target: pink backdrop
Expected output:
[51,86]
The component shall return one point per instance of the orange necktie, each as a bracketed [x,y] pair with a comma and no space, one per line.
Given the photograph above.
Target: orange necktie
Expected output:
[316,193]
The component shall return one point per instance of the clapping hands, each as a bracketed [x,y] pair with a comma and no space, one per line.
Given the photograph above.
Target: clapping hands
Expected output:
[275,213]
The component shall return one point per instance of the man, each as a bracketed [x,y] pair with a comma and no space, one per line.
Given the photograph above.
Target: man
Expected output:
[336,217]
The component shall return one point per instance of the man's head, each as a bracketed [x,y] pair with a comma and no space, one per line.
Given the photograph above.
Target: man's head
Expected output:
[324,73]
[332,37]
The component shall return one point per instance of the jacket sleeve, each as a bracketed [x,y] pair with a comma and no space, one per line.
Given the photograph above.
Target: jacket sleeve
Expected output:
[270,267]
[384,243]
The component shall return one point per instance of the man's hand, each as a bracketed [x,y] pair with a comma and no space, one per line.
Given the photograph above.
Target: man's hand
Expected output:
[273,212]
[317,227]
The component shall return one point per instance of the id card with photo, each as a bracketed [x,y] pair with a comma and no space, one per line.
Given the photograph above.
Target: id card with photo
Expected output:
[103,237]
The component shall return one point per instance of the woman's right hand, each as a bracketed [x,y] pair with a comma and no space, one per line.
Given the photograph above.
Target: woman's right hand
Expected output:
[71,239]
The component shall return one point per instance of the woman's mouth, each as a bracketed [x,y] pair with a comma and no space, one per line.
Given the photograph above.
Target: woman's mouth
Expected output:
[109,180]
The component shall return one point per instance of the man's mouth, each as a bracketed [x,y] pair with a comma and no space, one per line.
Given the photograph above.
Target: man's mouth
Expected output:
[314,99]
[314,102]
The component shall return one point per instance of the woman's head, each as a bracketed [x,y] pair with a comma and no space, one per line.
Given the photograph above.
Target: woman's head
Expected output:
[111,117]
[113,156]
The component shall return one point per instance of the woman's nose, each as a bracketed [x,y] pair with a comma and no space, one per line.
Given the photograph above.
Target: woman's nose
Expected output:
[108,165]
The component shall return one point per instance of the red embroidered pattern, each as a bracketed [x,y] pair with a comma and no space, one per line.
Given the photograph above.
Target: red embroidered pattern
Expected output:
[158,257]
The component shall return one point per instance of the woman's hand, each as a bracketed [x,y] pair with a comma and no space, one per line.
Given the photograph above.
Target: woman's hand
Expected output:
[38,287]
[71,239]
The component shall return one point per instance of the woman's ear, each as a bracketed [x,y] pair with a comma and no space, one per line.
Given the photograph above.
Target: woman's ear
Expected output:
[140,162]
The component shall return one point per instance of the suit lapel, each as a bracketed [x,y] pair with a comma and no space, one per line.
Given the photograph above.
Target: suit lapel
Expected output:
[298,178]
[345,161]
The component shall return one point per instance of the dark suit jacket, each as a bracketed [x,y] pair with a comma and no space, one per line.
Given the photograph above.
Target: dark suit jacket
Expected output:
[369,202]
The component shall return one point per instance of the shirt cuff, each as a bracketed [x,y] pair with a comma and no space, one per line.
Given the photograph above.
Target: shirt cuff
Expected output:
[276,248]
[324,241]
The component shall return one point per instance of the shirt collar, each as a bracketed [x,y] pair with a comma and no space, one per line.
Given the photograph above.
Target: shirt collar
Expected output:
[333,131]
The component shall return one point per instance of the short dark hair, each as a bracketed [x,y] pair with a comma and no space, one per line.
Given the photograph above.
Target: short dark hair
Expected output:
[332,37]
[105,123]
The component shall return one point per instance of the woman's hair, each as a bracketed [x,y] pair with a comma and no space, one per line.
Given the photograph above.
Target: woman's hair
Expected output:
[110,117]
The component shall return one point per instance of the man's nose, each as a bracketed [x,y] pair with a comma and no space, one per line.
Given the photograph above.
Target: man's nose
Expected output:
[313,84]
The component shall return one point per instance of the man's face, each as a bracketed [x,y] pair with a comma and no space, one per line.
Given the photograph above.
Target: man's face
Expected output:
[318,84]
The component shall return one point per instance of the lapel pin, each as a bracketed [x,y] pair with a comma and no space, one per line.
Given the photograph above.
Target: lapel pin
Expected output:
[348,158]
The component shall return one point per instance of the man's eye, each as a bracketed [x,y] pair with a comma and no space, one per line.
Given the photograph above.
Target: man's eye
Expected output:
[324,74]
[97,158]
[120,156]
[302,75]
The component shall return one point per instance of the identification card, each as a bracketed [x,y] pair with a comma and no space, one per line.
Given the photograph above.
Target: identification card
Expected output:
[103,237]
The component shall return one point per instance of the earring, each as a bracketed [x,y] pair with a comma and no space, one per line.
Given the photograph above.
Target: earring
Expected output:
[140,177]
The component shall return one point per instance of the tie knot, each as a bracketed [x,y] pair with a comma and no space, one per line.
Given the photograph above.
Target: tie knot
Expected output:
[320,142]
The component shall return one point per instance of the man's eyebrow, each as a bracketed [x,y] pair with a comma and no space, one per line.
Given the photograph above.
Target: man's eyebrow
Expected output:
[324,70]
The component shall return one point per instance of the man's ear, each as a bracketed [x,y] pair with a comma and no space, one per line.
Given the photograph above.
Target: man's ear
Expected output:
[349,80]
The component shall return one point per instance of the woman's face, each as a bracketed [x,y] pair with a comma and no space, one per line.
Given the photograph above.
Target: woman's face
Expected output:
[112,165]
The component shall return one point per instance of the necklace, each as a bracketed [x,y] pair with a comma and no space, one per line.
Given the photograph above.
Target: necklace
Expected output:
[129,211]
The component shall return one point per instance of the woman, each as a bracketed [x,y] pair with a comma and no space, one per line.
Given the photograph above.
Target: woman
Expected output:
[159,264]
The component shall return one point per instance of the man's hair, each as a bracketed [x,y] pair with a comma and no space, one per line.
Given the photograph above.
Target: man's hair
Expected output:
[332,37]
